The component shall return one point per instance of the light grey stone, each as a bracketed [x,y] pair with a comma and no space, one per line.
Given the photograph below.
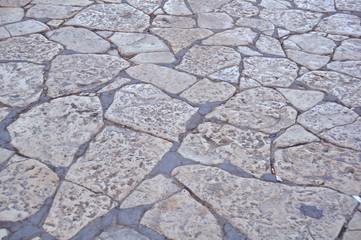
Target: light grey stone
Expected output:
[351,235]
[146,108]
[233,37]
[8,15]
[282,32]
[215,20]
[310,43]
[355,223]
[147,6]
[26,27]
[52,11]
[24,187]
[350,49]
[275,4]
[342,24]
[13,3]
[206,6]
[118,82]
[120,233]
[81,3]
[176,7]
[55,23]
[309,60]
[5,154]
[3,233]
[270,45]
[348,5]
[263,109]
[240,9]
[4,33]
[262,25]
[4,111]
[316,5]
[159,11]
[153,57]
[182,217]
[352,68]
[229,74]
[165,21]
[246,83]
[301,99]
[105,34]
[248,52]
[337,37]
[293,136]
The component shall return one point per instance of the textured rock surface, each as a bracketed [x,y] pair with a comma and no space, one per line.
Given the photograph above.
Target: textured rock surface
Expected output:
[350,49]
[269,45]
[293,136]
[301,99]
[343,24]
[176,7]
[240,9]
[8,15]
[352,68]
[13,3]
[153,57]
[206,6]
[264,26]
[310,43]
[215,20]
[64,2]
[234,37]
[229,74]
[52,11]
[26,27]
[165,21]
[348,5]
[319,6]
[309,60]
[147,6]
[5,154]
[114,233]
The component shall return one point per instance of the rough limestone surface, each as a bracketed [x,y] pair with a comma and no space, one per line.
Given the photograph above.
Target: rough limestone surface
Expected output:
[275,4]
[302,99]
[229,74]
[146,108]
[4,33]
[348,5]
[262,25]
[342,24]
[234,37]
[246,83]
[52,11]
[117,83]
[53,131]
[350,49]
[4,111]
[176,7]
[64,2]
[20,83]
[318,6]
[309,60]
[261,108]
[119,232]
[352,68]
[310,43]
[153,57]
[73,208]
[215,20]
[8,15]
[206,6]
[240,9]
[355,223]
[24,187]
[147,6]
[248,52]
[26,27]
[270,45]
[78,72]
[13,3]
[351,235]
[321,164]
[5,154]
[249,204]
[165,21]
[294,135]
[182,217]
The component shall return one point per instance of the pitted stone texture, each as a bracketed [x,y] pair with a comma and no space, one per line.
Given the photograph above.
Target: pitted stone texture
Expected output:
[215,20]
[246,83]
[13,3]
[206,6]
[79,39]
[309,60]
[153,57]
[275,4]
[326,116]
[120,233]
[248,52]
[20,83]
[234,37]
[26,27]
[24,188]
[310,43]
[270,45]
[151,191]
[52,11]
[336,37]
[355,223]
[316,5]
[182,217]
[118,82]
[165,21]
[261,108]
[78,72]
[34,48]
[5,154]
[203,60]
[146,108]
[249,204]
[240,9]
[117,160]
[112,17]
[215,144]
[293,20]
[344,87]
[293,136]
[163,77]
[350,49]
[351,235]
[264,26]
[180,38]
[352,68]
[348,5]
[321,164]
[176,7]
[274,72]
[8,15]
[73,208]
[64,2]
[147,6]
[134,43]
[301,99]
[53,131]
[230,74]
[342,24]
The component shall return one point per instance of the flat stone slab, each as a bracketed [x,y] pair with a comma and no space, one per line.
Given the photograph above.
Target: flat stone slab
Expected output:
[229,74]
[176,7]
[120,232]
[350,49]
[318,6]
[215,20]
[240,9]
[309,60]
[5,154]
[294,135]
[348,5]
[52,11]
[153,57]
[270,45]
[64,2]
[165,21]
[352,68]
[302,99]
[342,24]
[206,6]
[147,6]
[233,37]
[8,15]
[13,3]
[26,27]
[262,25]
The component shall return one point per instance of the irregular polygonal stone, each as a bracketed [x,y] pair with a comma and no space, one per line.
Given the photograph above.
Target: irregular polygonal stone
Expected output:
[118,82]
[352,68]
[263,109]
[230,74]
[215,20]
[240,9]
[326,116]
[4,111]
[147,6]
[215,144]
[337,37]
[246,83]
[275,4]
[119,232]
[4,33]
[24,188]
[163,77]
[64,2]
[310,43]
[301,99]
[293,136]
[234,37]
[249,204]
[13,3]
[348,5]
[182,217]
[165,21]
[55,23]
[248,52]
[309,60]
[54,130]
[270,45]
[26,27]
[8,15]
[112,17]
[153,57]
[206,6]
[146,108]
[79,39]
[78,72]
[52,11]
[133,43]
[5,154]
[316,5]
[351,235]
[176,7]
[203,60]
[343,24]
[355,223]
[350,49]
[73,208]
[275,72]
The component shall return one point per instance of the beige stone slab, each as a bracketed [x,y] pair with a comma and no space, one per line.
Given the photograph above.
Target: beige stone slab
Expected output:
[352,68]
[229,74]
[26,27]
[206,6]
[310,43]
[118,82]
[309,60]
[240,9]
[350,49]
[215,20]
[294,135]
[316,5]
[13,3]
[342,24]
[153,57]
[52,11]
[355,223]
[270,45]
[147,6]
[166,21]
[262,25]
[248,52]
[8,15]
[247,83]
[301,99]
[234,37]
[176,7]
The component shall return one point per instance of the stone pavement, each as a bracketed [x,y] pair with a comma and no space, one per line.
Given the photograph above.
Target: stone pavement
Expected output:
[180,119]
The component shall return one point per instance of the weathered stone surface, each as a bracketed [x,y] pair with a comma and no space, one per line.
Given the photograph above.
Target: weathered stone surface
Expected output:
[181,38]
[230,74]
[26,27]
[263,109]
[351,235]
[24,188]
[163,77]
[165,21]
[73,208]
[147,6]
[337,37]
[206,6]
[79,39]
[151,191]
[355,223]
[4,111]
[78,72]
[248,52]
[301,99]
[144,107]
[20,83]
[53,131]
[55,23]
[264,26]
[275,4]
[182,217]
[52,11]
[4,33]
[343,24]
[240,9]
[249,204]
[3,233]
[203,60]
[246,83]
[348,5]
[326,116]
[316,5]
[215,144]
[352,68]
[270,45]
[310,43]
[34,48]
[215,20]
[8,15]
[13,3]
[309,60]
[64,2]
[275,72]
[293,136]
[234,37]
[153,57]
[350,49]
[112,17]
[134,43]
[5,154]
[176,7]
[119,232]
[118,82]
[321,164]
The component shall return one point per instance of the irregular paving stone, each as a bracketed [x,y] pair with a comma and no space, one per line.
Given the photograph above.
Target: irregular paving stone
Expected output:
[348,5]
[3,233]
[146,108]
[118,82]
[73,208]
[119,232]
[215,20]
[181,38]
[352,68]
[301,99]
[275,4]
[203,60]
[54,130]
[351,235]
[270,45]
[309,60]
[153,57]
[248,52]
[163,77]
[249,204]
[215,144]
[246,83]
[112,17]
[261,108]
[134,43]
[13,3]
[230,74]
[34,48]
[64,2]
[206,6]
[293,136]
[337,37]
[355,223]
[310,43]
[147,6]
[240,9]
[350,49]
[55,23]
[275,72]
[182,217]
[8,15]
[151,191]
[20,83]
[282,33]
[264,26]
[24,187]
[52,11]
[117,160]
[4,33]
[165,21]
[79,72]
[342,24]
[326,116]
[176,7]
[79,39]
[234,37]
[316,5]
[26,27]
[4,111]
[5,154]
[321,164]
